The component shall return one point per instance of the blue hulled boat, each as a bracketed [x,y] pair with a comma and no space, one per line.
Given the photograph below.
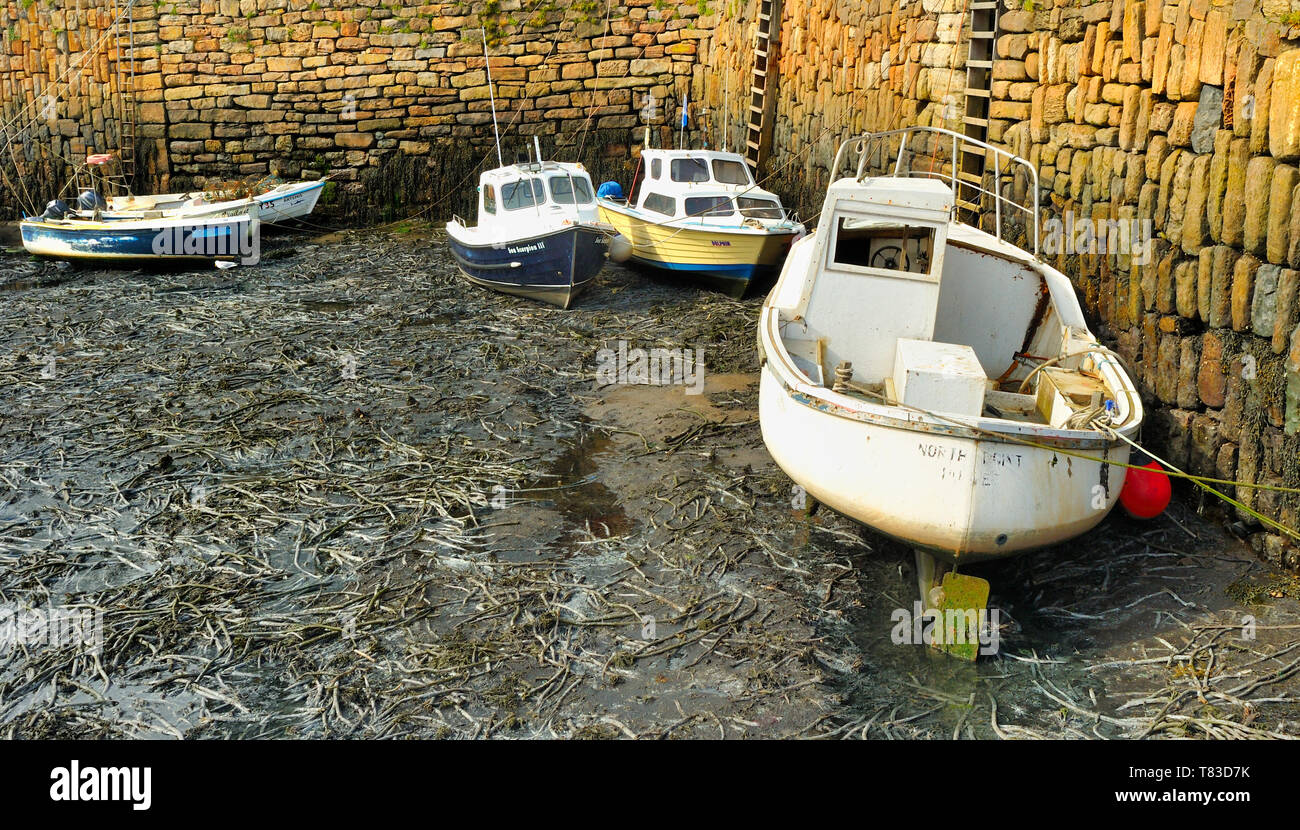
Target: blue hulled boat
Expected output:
[63,233]
[538,233]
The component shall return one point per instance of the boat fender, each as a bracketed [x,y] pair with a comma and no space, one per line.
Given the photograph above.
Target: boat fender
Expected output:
[56,209]
[90,200]
[620,248]
[612,191]
[1146,491]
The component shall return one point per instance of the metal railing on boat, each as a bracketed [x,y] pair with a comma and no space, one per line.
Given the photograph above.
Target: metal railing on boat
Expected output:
[867,145]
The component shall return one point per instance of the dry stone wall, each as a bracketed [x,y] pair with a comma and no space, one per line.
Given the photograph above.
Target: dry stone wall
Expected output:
[389,98]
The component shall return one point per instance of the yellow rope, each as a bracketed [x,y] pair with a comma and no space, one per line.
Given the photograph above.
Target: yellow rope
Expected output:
[1201,481]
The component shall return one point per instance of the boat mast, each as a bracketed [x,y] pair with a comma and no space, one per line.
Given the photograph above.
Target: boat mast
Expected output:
[487,65]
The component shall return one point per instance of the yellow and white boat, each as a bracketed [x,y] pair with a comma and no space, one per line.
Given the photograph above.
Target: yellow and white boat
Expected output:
[699,213]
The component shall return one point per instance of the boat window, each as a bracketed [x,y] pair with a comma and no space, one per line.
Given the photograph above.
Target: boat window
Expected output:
[562,188]
[522,193]
[489,198]
[656,167]
[868,244]
[760,208]
[690,170]
[709,206]
[730,172]
[661,204]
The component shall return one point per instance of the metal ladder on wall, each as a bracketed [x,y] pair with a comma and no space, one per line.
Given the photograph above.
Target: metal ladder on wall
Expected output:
[762,100]
[126,96]
[981,41]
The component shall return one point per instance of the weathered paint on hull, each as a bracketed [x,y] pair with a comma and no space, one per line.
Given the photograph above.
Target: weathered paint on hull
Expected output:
[553,268]
[728,260]
[963,499]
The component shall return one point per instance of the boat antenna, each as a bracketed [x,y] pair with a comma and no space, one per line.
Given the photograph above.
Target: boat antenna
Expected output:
[487,65]
[537,148]
[726,108]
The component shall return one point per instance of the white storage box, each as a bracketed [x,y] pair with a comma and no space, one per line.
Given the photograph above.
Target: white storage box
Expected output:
[939,377]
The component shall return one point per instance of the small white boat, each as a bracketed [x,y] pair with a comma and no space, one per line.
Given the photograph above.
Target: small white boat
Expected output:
[927,378]
[288,201]
[538,233]
[700,214]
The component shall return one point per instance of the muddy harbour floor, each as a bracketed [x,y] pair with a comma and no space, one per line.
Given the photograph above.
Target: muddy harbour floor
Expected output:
[346,494]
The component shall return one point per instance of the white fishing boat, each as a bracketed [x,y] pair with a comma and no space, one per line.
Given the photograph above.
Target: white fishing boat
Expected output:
[932,380]
[538,234]
[282,203]
[700,214]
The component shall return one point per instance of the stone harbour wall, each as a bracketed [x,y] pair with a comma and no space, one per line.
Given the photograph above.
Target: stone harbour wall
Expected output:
[1182,115]
[388,98]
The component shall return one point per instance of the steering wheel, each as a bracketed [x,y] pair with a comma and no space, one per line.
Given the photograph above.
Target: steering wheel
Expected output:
[890,261]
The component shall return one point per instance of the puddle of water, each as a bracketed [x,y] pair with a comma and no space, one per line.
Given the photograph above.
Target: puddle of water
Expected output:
[327,306]
[571,488]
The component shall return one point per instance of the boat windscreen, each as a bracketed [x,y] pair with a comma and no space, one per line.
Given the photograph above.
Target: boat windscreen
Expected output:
[709,206]
[563,187]
[760,208]
[690,170]
[867,244]
[730,172]
[522,193]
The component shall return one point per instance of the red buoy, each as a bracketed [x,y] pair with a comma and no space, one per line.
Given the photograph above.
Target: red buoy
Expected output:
[1146,491]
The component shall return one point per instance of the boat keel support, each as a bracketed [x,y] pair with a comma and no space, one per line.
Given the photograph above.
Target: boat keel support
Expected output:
[959,603]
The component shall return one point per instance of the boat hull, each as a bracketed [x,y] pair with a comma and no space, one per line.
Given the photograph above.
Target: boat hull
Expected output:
[279,205]
[962,498]
[296,204]
[553,267]
[724,259]
[156,240]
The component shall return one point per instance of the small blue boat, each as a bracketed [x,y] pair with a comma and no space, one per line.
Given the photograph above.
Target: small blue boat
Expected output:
[66,234]
[538,233]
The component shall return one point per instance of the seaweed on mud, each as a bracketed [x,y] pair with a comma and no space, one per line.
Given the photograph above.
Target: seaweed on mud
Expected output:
[346,494]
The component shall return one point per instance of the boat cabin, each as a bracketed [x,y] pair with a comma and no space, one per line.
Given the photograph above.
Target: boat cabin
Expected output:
[908,296]
[709,185]
[882,247]
[550,192]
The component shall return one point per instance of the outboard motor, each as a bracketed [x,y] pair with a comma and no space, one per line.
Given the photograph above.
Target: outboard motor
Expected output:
[56,209]
[90,200]
[612,191]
